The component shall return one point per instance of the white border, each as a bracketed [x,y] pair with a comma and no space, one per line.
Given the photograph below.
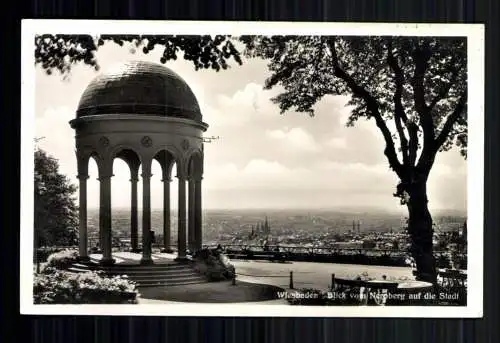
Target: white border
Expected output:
[475,35]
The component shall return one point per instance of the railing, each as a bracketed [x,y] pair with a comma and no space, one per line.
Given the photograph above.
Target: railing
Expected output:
[308,250]
[366,256]
[331,254]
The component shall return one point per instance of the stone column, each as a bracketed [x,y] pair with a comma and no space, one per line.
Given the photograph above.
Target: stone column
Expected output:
[105,218]
[166,215]
[181,234]
[82,215]
[134,224]
[191,215]
[146,216]
[197,215]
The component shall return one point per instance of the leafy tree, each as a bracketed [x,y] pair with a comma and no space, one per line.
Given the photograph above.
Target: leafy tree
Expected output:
[56,217]
[413,88]
[60,52]
[417,85]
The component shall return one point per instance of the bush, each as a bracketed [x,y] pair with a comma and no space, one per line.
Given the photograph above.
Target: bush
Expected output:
[216,273]
[61,287]
[43,253]
[63,259]
[214,265]
[230,271]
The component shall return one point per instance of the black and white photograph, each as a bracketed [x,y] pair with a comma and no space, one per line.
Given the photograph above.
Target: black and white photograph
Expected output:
[252,168]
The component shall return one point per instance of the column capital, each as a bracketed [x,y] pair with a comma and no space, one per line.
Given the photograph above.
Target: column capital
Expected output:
[146,175]
[105,177]
[182,177]
[167,179]
[134,179]
[82,177]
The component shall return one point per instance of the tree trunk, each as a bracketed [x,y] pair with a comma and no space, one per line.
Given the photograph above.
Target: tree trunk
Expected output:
[421,232]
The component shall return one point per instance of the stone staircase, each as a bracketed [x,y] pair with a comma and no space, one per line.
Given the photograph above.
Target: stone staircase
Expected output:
[171,274]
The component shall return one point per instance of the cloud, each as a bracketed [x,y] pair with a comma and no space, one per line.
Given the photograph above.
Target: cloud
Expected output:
[337,143]
[247,106]
[57,136]
[296,138]
[264,167]
[323,176]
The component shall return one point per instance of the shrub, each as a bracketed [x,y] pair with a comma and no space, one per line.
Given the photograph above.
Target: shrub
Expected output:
[43,253]
[215,273]
[230,271]
[61,287]
[202,254]
[214,265]
[62,259]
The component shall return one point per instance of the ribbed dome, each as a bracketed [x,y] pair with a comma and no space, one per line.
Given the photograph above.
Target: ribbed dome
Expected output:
[138,87]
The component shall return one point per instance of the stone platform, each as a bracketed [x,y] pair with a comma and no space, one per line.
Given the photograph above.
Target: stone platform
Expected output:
[164,271]
[131,259]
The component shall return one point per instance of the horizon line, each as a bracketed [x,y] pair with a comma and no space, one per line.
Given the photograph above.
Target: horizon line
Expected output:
[340,209]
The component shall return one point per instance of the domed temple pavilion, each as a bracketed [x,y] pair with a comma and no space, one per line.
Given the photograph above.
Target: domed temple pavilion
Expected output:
[138,112]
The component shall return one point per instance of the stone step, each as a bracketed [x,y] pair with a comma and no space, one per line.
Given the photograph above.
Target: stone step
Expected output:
[166,275]
[152,267]
[168,282]
[156,272]
[149,276]
[168,279]
[159,284]
[157,267]
[143,273]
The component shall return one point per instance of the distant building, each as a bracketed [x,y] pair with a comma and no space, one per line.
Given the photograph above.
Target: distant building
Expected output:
[260,229]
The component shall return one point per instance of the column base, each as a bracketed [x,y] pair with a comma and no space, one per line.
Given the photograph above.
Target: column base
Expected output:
[107,261]
[136,250]
[146,261]
[167,251]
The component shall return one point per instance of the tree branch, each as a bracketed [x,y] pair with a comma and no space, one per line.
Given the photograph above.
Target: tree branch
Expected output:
[372,106]
[421,57]
[443,92]
[451,120]
[284,72]
[402,138]
[399,112]
[413,131]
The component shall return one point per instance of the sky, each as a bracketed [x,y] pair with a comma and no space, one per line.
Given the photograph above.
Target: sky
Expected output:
[263,159]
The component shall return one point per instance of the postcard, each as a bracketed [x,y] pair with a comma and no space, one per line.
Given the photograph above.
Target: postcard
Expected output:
[252,169]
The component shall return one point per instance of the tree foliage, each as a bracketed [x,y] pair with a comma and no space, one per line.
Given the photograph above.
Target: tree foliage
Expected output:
[56,216]
[60,52]
[418,84]
[413,88]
